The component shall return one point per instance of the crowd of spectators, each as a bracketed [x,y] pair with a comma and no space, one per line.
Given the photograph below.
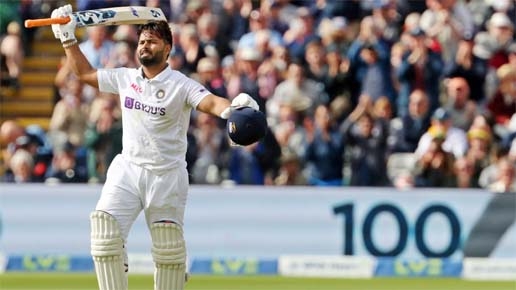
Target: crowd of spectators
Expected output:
[357,93]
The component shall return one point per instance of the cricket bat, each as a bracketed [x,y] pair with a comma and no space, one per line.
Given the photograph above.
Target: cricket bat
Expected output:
[105,16]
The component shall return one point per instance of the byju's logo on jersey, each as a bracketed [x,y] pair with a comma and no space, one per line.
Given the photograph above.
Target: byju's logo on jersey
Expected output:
[131,103]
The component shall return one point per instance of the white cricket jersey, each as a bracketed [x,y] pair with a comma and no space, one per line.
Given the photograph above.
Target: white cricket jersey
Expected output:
[155,114]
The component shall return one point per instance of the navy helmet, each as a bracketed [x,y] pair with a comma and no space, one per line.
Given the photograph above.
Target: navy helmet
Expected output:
[246,126]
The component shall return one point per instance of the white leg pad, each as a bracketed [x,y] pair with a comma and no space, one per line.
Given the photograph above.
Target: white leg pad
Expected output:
[107,251]
[169,255]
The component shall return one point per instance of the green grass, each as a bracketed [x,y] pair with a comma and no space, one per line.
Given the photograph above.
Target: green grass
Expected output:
[19,281]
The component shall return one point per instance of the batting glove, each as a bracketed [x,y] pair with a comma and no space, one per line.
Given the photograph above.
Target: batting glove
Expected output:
[241,100]
[64,32]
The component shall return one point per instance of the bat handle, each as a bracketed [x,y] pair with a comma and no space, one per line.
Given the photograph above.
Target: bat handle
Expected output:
[46,21]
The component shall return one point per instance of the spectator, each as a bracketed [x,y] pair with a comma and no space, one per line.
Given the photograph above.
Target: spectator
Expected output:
[190,46]
[337,83]
[388,19]
[272,10]
[9,132]
[122,56]
[324,150]
[473,69]
[290,172]
[70,116]
[300,33]
[491,46]
[455,139]
[503,105]
[458,103]
[268,78]
[98,47]
[31,139]
[506,177]
[297,88]
[256,164]
[11,48]
[382,109]
[260,35]
[288,128]
[447,22]
[209,75]
[406,131]
[420,68]
[464,173]
[376,81]
[214,43]
[435,165]
[316,67]
[368,36]
[335,32]
[68,166]
[479,151]
[22,165]
[233,20]
[245,77]
[103,136]
[211,146]
[366,142]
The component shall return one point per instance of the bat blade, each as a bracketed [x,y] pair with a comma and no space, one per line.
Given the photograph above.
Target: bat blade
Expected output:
[105,16]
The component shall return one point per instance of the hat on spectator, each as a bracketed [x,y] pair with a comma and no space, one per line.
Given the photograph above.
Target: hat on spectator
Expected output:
[250,54]
[479,133]
[339,22]
[500,19]
[437,132]
[228,60]
[207,64]
[441,115]
[417,32]
[194,5]
[303,12]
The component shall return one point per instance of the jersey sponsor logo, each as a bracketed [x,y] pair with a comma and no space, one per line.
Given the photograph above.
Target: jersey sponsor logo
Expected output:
[137,88]
[133,104]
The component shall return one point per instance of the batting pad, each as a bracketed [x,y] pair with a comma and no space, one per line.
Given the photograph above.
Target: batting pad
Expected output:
[169,255]
[107,251]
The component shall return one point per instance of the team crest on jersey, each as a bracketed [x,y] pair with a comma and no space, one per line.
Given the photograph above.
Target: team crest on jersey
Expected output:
[160,94]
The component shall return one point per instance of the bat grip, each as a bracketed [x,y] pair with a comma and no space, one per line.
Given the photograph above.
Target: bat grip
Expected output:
[46,21]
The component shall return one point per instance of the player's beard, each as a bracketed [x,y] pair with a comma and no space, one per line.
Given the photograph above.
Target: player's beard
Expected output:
[151,59]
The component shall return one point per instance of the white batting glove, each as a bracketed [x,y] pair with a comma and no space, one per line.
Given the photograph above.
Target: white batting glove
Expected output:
[64,32]
[241,100]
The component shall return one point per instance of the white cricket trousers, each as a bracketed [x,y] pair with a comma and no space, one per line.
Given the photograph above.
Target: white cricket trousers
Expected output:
[130,188]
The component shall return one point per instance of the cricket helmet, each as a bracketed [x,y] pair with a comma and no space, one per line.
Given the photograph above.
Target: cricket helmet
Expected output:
[246,126]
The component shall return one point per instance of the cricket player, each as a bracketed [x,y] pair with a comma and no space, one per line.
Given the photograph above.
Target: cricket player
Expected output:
[150,174]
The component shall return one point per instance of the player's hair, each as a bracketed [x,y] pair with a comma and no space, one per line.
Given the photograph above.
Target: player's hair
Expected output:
[160,28]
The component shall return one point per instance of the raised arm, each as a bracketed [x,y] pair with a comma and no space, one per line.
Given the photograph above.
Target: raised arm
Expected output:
[74,56]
